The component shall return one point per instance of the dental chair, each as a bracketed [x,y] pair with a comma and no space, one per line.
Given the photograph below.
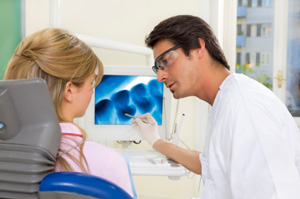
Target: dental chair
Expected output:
[29,140]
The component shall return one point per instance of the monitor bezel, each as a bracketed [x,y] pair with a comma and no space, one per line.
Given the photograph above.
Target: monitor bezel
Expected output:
[125,132]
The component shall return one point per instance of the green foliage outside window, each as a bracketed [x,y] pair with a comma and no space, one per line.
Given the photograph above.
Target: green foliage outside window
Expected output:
[261,77]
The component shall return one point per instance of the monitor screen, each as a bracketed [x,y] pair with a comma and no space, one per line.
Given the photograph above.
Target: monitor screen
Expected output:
[123,90]
[135,95]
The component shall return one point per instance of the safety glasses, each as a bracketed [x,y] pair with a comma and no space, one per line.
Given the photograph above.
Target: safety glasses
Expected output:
[165,59]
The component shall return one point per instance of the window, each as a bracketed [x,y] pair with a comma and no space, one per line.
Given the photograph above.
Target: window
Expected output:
[265,58]
[253,55]
[254,58]
[248,58]
[238,58]
[248,30]
[258,30]
[257,59]
[240,2]
[259,3]
[266,30]
[239,29]
[254,3]
[266,3]
[253,30]
[249,3]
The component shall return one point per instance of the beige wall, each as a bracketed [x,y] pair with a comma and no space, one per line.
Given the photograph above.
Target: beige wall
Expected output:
[126,21]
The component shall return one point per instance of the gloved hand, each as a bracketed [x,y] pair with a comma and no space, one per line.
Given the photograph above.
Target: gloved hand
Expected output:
[148,126]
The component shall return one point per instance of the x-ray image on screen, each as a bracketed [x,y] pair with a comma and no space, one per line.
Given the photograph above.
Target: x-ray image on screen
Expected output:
[134,95]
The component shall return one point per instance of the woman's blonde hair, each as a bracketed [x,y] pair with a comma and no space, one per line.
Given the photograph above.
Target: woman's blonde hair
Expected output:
[57,57]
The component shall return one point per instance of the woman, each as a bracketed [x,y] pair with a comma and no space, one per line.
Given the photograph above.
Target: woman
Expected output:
[71,70]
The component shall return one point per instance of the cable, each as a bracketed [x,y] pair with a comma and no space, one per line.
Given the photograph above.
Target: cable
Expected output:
[174,122]
[181,140]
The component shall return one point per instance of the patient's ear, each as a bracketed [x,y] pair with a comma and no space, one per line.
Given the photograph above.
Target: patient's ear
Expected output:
[68,94]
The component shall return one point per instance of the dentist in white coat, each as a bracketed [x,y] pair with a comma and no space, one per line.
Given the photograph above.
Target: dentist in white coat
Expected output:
[252,145]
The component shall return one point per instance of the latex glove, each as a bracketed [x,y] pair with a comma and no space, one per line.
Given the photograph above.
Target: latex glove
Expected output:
[148,126]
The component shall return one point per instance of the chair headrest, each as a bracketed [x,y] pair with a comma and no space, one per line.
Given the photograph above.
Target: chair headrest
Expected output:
[27,114]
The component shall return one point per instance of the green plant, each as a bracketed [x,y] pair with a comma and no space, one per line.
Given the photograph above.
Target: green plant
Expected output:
[261,77]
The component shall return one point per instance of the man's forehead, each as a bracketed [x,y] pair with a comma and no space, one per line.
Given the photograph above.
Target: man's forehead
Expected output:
[161,46]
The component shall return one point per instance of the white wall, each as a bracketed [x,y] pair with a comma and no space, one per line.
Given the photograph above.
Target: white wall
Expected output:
[129,21]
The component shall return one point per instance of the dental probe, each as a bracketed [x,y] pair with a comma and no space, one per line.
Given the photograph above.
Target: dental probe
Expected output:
[134,117]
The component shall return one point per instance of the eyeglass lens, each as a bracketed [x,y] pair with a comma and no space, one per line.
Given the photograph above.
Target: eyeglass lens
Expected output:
[165,59]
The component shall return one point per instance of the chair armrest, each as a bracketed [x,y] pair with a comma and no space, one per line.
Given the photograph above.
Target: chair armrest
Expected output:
[84,184]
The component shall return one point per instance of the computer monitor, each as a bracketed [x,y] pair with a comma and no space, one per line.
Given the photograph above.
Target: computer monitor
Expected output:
[132,90]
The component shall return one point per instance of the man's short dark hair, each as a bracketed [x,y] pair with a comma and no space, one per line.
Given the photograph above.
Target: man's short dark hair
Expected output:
[185,30]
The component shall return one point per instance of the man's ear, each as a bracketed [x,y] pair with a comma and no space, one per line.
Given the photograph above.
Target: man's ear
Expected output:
[200,51]
[68,93]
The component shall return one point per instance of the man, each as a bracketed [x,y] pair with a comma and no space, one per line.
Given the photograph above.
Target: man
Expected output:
[252,146]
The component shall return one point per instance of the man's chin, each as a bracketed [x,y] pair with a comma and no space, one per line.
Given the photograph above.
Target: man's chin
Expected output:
[175,96]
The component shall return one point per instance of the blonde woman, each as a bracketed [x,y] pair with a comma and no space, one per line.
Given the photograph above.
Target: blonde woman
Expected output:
[71,70]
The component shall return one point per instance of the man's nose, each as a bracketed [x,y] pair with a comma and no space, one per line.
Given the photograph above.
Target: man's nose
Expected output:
[161,75]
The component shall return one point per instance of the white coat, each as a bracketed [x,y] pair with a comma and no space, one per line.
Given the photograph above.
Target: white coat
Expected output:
[252,147]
